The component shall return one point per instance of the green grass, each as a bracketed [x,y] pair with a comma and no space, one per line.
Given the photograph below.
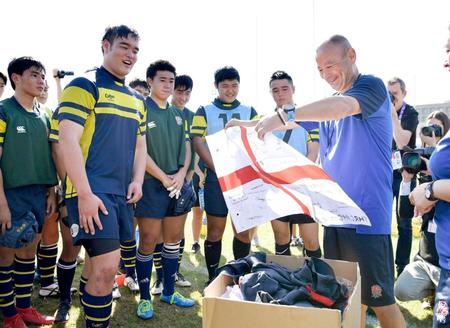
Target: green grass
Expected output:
[193,267]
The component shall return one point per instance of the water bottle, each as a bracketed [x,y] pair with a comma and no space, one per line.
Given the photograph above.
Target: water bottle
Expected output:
[136,235]
[201,198]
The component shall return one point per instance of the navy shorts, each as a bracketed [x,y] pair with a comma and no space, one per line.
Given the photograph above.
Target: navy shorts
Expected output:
[195,183]
[28,199]
[155,202]
[118,224]
[441,316]
[297,219]
[214,202]
[375,257]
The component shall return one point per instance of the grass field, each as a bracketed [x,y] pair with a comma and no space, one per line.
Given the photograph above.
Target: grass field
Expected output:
[193,268]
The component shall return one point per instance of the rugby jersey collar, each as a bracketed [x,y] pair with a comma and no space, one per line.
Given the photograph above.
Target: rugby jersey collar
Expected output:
[34,110]
[105,72]
[222,105]
[153,103]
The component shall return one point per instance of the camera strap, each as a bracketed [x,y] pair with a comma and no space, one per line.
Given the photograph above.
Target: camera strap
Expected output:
[402,111]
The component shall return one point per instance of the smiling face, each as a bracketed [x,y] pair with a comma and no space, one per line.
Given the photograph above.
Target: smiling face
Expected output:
[31,82]
[228,90]
[181,97]
[282,92]
[120,56]
[336,66]
[162,85]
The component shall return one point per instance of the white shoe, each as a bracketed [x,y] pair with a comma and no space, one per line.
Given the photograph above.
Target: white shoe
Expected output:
[132,284]
[53,290]
[295,241]
[116,292]
[157,287]
[49,291]
[181,281]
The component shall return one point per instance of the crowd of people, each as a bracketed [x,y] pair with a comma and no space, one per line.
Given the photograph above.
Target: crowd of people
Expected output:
[114,162]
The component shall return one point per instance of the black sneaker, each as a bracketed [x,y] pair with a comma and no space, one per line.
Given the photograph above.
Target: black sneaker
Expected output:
[62,314]
[195,248]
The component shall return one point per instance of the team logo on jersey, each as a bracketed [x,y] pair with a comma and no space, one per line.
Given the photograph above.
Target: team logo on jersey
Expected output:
[377,291]
[110,97]
[441,311]
[21,129]
[74,229]
[151,125]
[179,120]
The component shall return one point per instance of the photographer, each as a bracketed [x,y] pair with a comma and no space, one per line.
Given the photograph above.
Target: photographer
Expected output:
[420,278]
[437,194]
[404,123]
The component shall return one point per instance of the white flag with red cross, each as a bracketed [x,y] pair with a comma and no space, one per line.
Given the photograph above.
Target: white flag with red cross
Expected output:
[262,180]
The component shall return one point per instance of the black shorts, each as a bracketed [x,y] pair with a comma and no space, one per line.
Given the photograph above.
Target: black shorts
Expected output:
[155,202]
[24,199]
[214,202]
[297,219]
[375,257]
[117,225]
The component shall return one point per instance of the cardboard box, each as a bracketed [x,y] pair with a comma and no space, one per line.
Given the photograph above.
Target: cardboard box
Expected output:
[225,313]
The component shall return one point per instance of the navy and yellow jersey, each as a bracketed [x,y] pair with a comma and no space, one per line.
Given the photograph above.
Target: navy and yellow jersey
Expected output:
[54,127]
[212,118]
[167,133]
[113,115]
[312,128]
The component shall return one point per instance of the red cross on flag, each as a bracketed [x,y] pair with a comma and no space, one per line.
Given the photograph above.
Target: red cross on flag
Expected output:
[262,180]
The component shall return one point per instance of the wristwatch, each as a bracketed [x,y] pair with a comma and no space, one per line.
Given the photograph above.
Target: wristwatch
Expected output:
[290,111]
[429,192]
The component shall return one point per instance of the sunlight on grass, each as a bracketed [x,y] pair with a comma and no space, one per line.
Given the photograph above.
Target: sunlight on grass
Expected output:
[193,268]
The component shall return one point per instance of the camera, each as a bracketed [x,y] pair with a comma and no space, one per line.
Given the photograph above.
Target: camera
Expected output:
[61,74]
[392,97]
[428,131]
[412,161]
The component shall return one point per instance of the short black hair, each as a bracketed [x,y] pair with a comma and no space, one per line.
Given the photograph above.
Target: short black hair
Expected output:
[120,31]
[160,65]
[281,75]
[138,83]
[226,73]
[4,78]
[20,65]
[184,82]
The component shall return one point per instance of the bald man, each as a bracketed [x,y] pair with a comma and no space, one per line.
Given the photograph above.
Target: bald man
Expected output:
[355,149]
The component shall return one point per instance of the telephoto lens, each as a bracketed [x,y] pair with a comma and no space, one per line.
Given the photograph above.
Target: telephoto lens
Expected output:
[428,130]
[61,74]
